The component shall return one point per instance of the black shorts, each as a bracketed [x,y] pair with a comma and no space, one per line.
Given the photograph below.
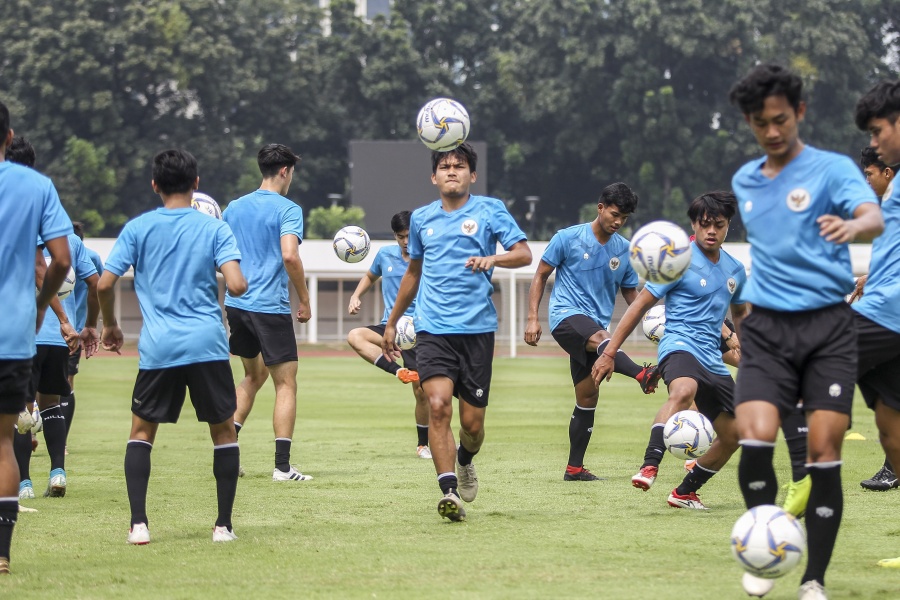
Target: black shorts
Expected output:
[15,385]
[723,345]
[50,370]
[786,356]
[253,332]
[879,363]
[74,359]
[467,359]
[572,334]
[159,393]
[715,393]
[408,356]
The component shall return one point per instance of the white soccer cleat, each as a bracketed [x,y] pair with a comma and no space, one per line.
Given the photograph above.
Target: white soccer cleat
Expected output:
[423,452]
[756,586]
[25,422]
[292,475]
[222,534]
[812,590]
[26,509]
[468,481]
[139,535]
[26,490]
[241,471]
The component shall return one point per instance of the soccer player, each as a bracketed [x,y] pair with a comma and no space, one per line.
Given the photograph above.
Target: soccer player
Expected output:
[390,265]
[183,343]
[801,207]
[878,311]
[690,358]
[269,229]
[29,207]
[591,263]
[452,245]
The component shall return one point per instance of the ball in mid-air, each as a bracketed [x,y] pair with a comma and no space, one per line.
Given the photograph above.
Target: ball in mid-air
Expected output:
[768,542]
[654,323]
[443,124]
[660,252]
[688,434]
[351,244]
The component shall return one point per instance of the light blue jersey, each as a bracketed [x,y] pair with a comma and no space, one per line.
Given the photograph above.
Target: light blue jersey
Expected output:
[696,306]
[80,291]
[451,298]
[175,254]
[793,267]
[259,220]
[390,266]
[588,274]
[881,296]
[49,334]
[29,207]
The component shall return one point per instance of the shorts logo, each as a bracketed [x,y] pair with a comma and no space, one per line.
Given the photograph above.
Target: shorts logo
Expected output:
[429,232]
[479,393]
[469,227]
[825,512]
[748,206]
[136,401]
[590,430]
[614,263]
[798,200]
[732,285]
[757,485]
[702,283]
[834,390]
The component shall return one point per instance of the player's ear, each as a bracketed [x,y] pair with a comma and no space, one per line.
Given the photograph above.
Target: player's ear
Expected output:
[474,176]
[888,172]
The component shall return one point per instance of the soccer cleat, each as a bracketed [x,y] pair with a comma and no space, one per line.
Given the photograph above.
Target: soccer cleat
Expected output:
[797,496]
[139,535]
[579,474]
[645,478]
[4,566]
[292,475]
[26,490]
[756,586]
[57,485]
[890,563]
[25,422]
[223,534]
[450,507]
[882,481]
[812,590]
[689,465]
[407,375]
[241,472]
[648,378]
[423,452]
[691,500]
[468,482]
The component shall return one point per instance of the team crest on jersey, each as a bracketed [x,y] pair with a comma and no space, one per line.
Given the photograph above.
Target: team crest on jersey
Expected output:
[798,200]
[614,263]
[732,285]
[469,227]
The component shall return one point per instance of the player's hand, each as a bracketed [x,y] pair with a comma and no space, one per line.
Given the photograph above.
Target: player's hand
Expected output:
[837,230]
[858,292]
[70,336]
[480,264]
[602,369]
[354,306]
[112,339]
[389,346]
[40,318]
[304,313]
[533,332]
[91,341]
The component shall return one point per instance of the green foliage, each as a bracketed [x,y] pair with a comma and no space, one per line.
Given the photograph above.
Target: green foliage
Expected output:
[322,223]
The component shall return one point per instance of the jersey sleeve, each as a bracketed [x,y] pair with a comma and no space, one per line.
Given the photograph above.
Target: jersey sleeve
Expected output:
[84,266]
[741,277]
[660,289]
[54,220]
[124,252]
[505,227]
[375,270]
[225,245]
[848,187]
[555,253]
[98,262]
[292,221]
[415,249]
[630,279]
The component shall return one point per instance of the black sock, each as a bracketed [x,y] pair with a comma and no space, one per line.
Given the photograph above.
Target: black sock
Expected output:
[422,432]
[391,366]
[226,463]
[22,447]
[283,454]
[67,406]
[823,518]
[694,480]
[237,429]
[463,456]
[448,483]
[794,427]
[656,447]
[55,436]
[580,426]
[622,363]
[756,475]
[137,478]
[9,511]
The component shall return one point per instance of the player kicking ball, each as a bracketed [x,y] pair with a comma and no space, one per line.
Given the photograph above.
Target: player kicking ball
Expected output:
[183,344]
[690,357]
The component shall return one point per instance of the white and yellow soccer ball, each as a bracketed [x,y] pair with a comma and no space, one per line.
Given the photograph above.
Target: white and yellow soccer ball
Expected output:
[443,124]
[67,286]
[205,204]
[688,434]
[654,323]
[351,244]
[406,333]
[768,542]
[660,252]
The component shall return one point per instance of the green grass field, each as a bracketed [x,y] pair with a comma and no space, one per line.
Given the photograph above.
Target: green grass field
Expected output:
[367,525]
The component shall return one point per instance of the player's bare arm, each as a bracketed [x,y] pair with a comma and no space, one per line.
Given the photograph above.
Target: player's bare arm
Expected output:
[111,337]
[519,255]
[409,287]
[605,363]
[629,295]
[60,262]
[68,333]
[365,283]
[89,336]
[290,255]
[234,278]
[865,225]
[535,294]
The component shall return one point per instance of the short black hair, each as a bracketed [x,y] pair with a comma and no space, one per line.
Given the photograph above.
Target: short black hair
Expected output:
[272,157]
[880,102]
[619,195]
[712,205]
[175,171]
[4,122]
[21,151]
[868,156]
[750,93]
[463,152]
[400,221]
[78,226]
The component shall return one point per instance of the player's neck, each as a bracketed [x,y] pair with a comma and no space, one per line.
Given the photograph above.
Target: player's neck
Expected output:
[711,255]
[776,164]
[173,201]
[450,204]
[601,236]
[272,185]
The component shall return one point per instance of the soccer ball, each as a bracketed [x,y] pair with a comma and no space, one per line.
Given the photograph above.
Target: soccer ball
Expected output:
[443,124]
[351,244]
[67,286]
[660,252]
[688,434]
[406,333]
[206,205]
[654,323]
[25,421]
[767,542]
